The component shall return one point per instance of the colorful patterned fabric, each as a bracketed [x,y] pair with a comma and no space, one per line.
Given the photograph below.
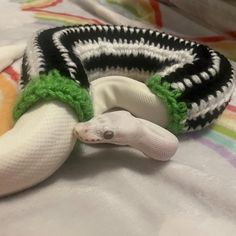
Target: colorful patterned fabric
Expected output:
[134,196]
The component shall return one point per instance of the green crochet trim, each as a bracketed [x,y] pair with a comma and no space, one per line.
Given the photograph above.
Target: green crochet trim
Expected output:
[54,86]
[177,110]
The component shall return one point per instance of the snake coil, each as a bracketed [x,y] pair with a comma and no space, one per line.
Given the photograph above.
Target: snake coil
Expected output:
[194,82]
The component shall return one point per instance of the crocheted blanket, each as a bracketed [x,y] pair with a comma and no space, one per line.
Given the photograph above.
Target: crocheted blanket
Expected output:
[199,182]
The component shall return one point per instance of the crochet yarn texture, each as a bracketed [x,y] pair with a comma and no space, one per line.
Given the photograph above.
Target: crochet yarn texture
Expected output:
[55,87]
[194,81]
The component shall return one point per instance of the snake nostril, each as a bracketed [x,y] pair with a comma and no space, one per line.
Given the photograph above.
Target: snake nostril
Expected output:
[108,134]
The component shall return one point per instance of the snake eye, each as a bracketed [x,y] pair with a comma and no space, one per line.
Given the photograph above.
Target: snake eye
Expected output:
[108,134]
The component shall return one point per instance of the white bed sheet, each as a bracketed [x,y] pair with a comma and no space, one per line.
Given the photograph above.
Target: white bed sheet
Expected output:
[109,190]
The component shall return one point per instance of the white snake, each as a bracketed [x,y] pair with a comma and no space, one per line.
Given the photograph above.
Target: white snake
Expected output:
[194,81]
[43,137]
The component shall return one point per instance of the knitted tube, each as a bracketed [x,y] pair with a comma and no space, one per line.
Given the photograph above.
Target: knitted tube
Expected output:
[177,110]
[54,86]
[196,75]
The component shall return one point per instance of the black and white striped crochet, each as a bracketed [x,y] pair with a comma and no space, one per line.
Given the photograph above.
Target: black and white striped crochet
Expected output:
[192,79]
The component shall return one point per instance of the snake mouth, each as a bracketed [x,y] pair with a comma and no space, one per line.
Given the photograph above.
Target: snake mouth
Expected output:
[84,135]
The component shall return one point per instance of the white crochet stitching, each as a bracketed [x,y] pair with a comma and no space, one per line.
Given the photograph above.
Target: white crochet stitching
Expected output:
[35,56]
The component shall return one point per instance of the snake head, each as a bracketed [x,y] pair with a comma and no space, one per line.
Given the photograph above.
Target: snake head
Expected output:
[113,127]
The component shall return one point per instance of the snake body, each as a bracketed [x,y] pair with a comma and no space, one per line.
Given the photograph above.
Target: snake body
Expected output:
[194,82]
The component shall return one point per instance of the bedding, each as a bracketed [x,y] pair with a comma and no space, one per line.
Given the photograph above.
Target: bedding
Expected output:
[110,190]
